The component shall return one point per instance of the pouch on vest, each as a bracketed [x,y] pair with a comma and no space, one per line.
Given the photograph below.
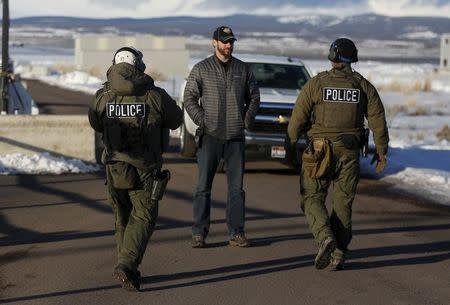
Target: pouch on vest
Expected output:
[113,135]
[122,175]
[317,158]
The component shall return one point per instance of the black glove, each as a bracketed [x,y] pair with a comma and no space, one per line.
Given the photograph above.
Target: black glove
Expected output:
[291,157]
[381,162]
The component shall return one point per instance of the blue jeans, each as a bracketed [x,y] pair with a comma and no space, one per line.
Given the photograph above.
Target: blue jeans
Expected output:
[208,158]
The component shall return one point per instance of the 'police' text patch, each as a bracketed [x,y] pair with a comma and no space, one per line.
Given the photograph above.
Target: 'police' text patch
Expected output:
[125,110]
[341,95]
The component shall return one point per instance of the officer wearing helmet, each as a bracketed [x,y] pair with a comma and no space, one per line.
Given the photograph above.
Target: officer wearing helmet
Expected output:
[133,117]
[331,110]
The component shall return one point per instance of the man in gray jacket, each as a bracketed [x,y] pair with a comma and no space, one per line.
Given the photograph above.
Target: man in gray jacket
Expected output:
[222,98]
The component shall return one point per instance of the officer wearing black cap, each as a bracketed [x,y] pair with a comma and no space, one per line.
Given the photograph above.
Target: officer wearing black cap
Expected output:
[331,110]
[222,98]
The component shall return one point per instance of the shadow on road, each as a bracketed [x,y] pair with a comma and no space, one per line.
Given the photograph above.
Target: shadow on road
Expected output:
[397,250]
[233,272]
[31,183]
[385,190]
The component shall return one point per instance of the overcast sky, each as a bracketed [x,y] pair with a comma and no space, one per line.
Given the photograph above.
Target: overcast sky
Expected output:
[209,8]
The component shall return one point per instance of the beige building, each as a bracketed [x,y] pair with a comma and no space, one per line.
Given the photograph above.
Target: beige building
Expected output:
[445,52]
[165,57]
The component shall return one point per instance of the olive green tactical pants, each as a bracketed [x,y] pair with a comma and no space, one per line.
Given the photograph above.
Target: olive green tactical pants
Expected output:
[344,177]
[135,217]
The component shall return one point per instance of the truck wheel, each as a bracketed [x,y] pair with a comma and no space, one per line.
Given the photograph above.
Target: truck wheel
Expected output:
[187,143]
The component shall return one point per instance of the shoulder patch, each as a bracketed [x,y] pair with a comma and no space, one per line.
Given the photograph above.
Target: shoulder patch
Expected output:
[341,95]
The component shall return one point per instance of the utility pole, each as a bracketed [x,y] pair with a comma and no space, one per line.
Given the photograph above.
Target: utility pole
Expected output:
[4,77]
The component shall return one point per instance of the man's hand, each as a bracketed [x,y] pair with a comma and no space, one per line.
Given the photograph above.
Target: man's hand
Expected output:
[381,162]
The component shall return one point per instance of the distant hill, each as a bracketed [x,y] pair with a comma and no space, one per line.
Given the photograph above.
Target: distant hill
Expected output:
[377,37]
[358,27]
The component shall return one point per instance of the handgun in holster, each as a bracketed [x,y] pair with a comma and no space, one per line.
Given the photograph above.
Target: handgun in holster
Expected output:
[198,138]
[159,184]
[365,143]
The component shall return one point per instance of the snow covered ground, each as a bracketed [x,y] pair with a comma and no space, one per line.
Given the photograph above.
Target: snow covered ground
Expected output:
[416,98]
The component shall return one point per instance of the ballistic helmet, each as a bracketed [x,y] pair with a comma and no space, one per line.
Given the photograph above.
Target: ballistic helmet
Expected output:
[343,50]
[131,56]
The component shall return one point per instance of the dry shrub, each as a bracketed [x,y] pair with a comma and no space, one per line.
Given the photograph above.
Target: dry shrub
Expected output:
[157,75]
[427,85]
[409,107]
[420,136]
[393,110]
[97,72]
[64,68]
[444,133]
[420,111]
[416,86]
[393,86]
[411,103]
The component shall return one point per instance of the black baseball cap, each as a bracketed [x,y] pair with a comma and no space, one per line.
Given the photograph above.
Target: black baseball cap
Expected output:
[224,34]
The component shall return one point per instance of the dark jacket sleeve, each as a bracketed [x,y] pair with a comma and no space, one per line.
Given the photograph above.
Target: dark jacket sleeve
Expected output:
[172,115]
[192,95]
[97,110]
[301,115]
[252,98]
[376,118]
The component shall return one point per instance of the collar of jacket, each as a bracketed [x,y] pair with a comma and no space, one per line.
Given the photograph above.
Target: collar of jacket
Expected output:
[127,78]
[342,70]
[219,62]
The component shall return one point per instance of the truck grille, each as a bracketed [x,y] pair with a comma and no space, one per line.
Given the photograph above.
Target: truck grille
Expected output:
[271,118]
[275,111]
[269,127]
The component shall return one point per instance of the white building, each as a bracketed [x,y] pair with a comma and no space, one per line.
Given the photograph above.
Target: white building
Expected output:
[163,56]
[445,52]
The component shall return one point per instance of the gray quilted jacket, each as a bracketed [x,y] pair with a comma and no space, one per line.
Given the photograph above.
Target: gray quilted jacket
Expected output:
[223,101]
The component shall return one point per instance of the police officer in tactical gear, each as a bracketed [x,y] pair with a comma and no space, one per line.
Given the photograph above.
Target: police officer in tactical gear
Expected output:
[133,117]
[331,109]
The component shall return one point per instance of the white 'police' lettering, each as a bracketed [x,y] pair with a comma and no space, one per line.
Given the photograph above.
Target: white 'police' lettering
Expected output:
[340,95]
[125,110]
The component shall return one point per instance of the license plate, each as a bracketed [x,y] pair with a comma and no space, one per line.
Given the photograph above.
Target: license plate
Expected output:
[278,152]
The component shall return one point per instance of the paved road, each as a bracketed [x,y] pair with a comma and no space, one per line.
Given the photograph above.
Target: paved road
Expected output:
[55,100]
[57,246]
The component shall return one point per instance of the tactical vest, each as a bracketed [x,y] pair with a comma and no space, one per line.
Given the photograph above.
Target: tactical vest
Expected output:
[342,102]
[129,124]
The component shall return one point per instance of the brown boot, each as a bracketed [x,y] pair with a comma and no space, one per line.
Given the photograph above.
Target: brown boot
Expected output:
[198,241]
[239,240]
[323,257]
[130,280]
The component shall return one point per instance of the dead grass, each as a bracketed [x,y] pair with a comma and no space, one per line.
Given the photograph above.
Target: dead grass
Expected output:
[393,110]
[444,134]
[420,136]
[420,111]
[157,75]
[409,107]
[396,86]
[97,72]
[64,68]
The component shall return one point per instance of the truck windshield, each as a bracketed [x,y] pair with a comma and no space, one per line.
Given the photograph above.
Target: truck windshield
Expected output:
[269,75]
